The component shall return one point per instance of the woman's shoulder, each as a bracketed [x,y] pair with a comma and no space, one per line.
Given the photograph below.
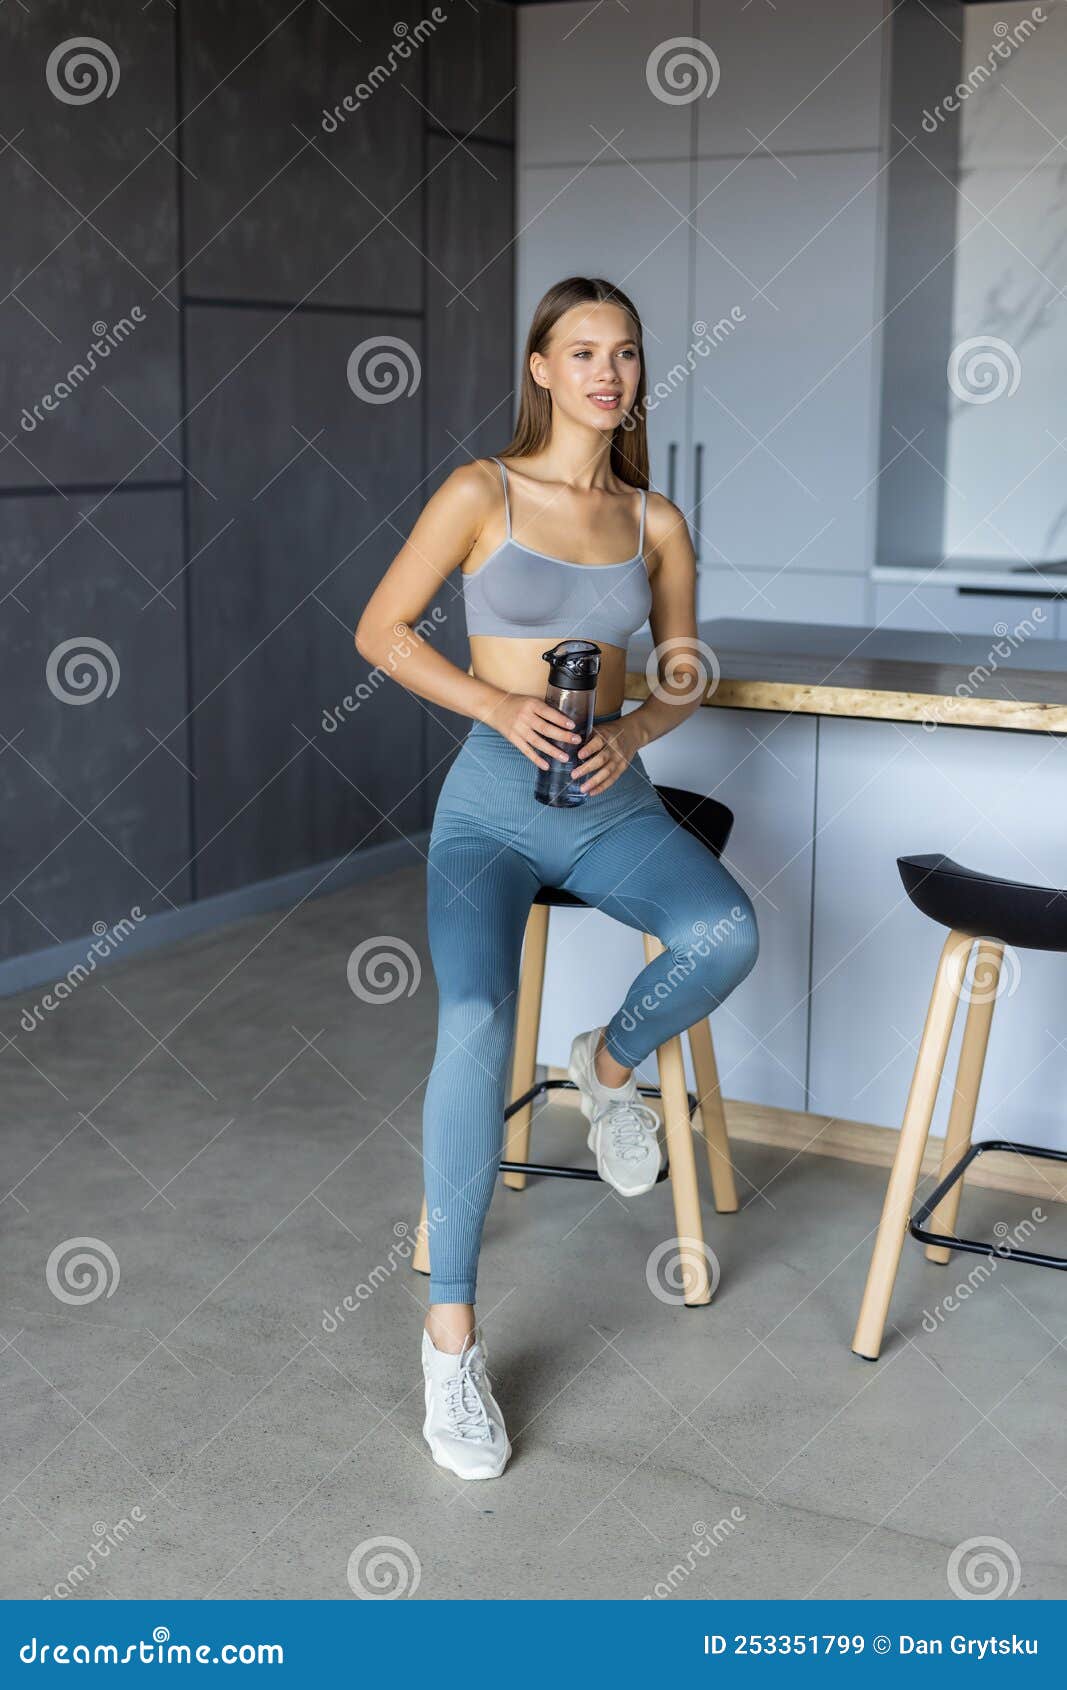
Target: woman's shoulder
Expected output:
[663,519]
[473,490]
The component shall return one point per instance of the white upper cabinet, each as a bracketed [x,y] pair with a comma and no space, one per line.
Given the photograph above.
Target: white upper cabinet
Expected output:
[592,81]
[784,408]
[793,75]
[631,228]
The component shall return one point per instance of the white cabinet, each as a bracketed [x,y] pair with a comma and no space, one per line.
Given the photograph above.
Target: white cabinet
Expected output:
[584,82]
[790,595]
[795,75]
[631,228]
[993,801]
[783,411]
[763,767]
[945,609]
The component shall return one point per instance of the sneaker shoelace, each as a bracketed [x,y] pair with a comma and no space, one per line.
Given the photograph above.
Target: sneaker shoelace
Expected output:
[467,1416]
[630,1125]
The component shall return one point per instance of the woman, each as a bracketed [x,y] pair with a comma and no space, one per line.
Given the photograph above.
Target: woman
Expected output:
[537,536]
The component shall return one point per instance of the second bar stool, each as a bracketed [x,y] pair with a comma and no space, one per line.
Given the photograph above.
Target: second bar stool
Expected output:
[710,822]
[996,913]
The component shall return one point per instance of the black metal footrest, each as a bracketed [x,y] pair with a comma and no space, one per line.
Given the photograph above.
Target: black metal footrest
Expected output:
[550,1169]
[975,1246]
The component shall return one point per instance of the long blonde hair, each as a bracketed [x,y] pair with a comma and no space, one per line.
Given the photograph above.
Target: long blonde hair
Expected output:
[629,443]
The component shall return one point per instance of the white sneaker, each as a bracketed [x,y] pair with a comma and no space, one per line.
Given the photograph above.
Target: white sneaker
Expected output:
[623,1130]
[464,1426]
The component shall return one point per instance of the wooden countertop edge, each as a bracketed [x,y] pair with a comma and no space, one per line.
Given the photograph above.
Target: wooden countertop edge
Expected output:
[933,708]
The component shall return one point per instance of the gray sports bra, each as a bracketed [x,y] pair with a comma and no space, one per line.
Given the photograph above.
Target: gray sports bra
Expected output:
[518,593]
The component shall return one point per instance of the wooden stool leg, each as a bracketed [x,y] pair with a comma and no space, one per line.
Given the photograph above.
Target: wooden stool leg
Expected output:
[420,1261]
[683,1167]
[922,1095]
[527,1023]
[965,1095]
[713,1118]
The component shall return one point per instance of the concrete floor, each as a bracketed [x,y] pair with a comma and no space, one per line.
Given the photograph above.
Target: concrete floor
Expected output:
[251,1170]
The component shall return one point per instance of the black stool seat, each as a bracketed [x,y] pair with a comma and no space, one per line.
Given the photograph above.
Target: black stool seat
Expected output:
[985,906]
[705,818]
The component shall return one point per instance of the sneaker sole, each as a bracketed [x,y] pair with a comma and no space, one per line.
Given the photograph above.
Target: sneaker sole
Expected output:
[635,1191]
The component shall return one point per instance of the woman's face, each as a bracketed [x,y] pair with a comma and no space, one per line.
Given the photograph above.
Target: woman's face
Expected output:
[591,366]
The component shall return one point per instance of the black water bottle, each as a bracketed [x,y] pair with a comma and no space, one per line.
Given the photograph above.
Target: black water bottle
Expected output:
[572,677]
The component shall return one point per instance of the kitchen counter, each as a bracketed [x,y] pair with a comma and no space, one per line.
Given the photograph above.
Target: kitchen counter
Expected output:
[881,674]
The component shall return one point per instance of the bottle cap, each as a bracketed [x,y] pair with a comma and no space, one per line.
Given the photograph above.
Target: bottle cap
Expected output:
[575,665]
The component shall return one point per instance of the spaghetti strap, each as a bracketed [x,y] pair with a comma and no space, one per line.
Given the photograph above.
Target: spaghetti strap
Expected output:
[507,501]
[641,536]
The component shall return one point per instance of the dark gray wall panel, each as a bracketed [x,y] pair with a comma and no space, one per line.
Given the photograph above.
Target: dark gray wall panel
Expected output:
[471,57]
[470,335]
[281,210]
[95,161]
[310,490]
[920,276]
[71,568]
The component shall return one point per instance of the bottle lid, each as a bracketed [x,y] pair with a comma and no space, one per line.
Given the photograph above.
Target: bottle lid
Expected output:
[575,664]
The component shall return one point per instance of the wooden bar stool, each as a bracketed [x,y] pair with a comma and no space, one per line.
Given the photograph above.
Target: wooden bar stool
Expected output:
[996,913]
[710,822]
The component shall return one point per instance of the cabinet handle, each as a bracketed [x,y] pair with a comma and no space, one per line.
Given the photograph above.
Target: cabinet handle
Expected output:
[698,495]
[672,470]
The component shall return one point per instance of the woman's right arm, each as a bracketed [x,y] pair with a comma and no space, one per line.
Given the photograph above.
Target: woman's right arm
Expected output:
[443,536]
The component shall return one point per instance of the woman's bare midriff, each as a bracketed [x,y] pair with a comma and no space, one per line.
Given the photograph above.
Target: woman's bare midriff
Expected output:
[518,666]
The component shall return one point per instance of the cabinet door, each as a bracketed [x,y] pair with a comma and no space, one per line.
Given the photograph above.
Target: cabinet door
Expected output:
[591,82]
[793,76]
[993,801]
[947,609]
[784,408]
[790,595]
[763,766]
[631,228]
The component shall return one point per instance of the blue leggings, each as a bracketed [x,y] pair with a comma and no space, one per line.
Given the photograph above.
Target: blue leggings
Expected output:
[491,847]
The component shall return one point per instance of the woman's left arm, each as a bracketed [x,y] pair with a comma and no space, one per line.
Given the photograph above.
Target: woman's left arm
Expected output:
[682,672]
